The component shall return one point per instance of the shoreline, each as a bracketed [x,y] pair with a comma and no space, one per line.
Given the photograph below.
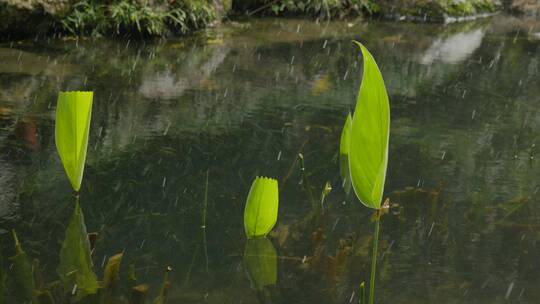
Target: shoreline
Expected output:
[127,19]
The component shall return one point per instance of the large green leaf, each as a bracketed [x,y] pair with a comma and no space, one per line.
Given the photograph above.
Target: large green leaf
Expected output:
[73,114]
[75,269]
[261,211]
[368,150]
[260,261]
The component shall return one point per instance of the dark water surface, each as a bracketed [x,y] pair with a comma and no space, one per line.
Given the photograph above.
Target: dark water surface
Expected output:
[245,100]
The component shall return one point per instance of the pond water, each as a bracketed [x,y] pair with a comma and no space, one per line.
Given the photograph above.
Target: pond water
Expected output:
[246,99]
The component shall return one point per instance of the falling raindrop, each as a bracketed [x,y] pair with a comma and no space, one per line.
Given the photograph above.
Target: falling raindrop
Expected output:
[509,290]
[103,261]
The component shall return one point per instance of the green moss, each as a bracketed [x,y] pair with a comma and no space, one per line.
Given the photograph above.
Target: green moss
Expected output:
[467,8]
[435,10]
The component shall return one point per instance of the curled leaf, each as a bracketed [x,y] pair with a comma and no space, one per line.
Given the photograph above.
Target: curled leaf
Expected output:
[260,214]
[368,150]
[111,275]
[73,114]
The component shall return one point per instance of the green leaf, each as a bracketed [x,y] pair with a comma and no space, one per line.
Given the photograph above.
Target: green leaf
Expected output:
[260,261]
[73,114]
[22,271]
[344,146]
[261,211]
[345,140]
[368,151]
[75,260]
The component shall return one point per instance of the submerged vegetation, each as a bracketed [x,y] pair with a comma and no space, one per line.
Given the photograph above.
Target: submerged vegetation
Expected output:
[261,211]
[77,278]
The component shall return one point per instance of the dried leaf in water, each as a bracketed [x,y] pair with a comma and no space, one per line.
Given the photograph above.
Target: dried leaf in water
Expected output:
[138,294]
[111,275]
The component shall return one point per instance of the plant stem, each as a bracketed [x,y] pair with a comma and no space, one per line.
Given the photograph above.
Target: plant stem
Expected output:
[362,296]
[374,261]
[204,218]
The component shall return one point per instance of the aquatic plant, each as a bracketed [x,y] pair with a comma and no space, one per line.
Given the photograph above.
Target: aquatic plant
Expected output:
[344,154]
[73,114]
[366,141]
[31,288]
[260,214]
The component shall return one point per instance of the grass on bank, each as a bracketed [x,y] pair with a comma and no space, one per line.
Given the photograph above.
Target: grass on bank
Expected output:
[92,17]
[162,17]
